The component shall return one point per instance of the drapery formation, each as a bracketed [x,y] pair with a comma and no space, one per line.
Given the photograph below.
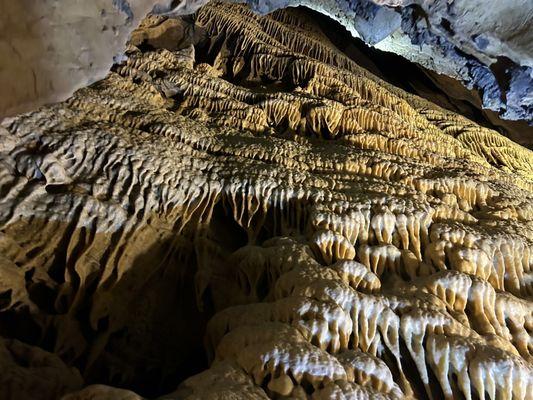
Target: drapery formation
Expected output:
[249,193]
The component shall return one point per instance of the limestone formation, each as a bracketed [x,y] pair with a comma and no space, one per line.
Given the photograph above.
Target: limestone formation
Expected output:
[54,47]
[477,52]
[487,46]
[240,211]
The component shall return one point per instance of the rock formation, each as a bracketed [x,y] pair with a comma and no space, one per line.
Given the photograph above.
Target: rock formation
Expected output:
[240,211]
[55,47]
[488,46]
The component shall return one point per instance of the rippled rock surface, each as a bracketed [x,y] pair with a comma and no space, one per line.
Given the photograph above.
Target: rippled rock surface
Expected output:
[240,211]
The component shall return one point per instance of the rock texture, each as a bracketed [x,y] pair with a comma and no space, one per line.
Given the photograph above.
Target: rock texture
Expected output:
[49,48]
[55,47]
[486,46]
[328,235]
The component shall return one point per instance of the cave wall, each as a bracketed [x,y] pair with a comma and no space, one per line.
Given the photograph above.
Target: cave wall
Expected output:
[54,47]
[241,204]
[49,48]
[487,47]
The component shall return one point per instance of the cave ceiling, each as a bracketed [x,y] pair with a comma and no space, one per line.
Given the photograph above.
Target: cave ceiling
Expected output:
[474,51]
[247,206]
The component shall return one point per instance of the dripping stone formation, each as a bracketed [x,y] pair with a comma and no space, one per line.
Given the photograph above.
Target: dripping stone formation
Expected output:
[240,211]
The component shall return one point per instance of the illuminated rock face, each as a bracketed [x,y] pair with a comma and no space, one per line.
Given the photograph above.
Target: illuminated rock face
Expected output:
[56,47]
[475,51]
[252,211]
[481,44]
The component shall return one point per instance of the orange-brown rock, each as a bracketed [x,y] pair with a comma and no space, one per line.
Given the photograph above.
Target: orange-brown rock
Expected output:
[255,193]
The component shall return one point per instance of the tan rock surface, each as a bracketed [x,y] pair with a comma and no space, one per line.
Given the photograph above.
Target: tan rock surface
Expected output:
[345,239]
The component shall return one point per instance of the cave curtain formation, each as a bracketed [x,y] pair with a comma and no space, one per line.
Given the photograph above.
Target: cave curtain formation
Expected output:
[240,211]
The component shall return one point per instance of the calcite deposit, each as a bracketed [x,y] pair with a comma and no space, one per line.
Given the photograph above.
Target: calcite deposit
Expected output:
[485,45]
[240,211]
[478,52]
